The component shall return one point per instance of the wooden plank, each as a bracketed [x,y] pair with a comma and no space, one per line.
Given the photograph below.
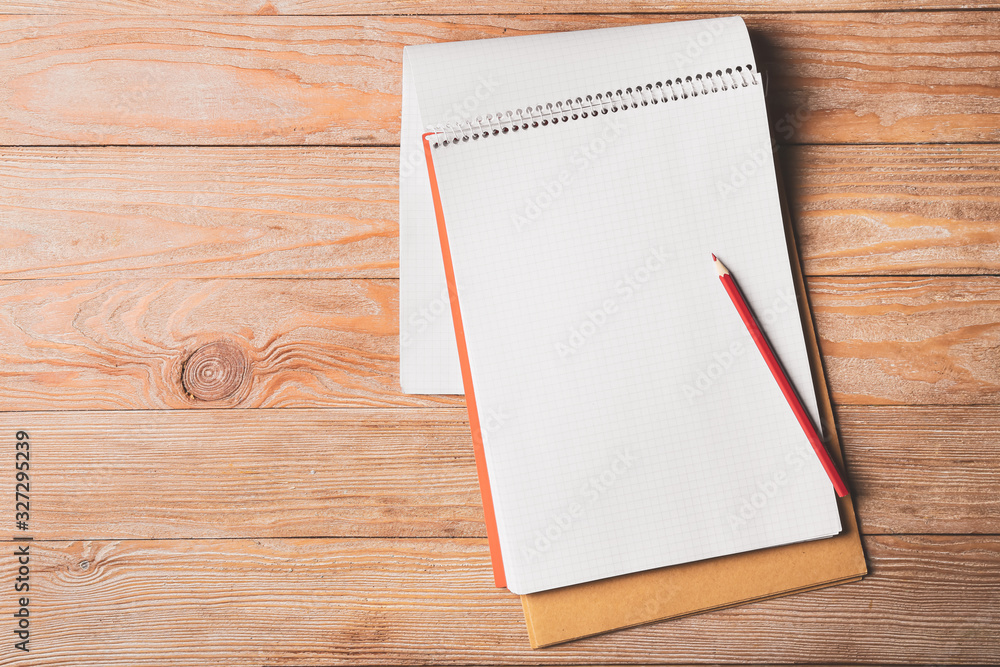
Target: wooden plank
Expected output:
[250,473]
[111,344]
[885,79]
[909,340]
[143,212]
[104,344]
[198,212]
[833,78]
[382,7]
[923,469]
[895,209]
[97,344]
[929,599]
[410,473]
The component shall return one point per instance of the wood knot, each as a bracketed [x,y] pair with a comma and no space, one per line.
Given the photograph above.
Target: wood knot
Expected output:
[214,371]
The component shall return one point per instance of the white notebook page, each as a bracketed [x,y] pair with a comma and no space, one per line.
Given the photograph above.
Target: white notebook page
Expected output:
[630,421]
[458,81]
[428,356]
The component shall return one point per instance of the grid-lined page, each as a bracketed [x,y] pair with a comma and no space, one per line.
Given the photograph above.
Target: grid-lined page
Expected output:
[628,420]
[460,81]
[428,356]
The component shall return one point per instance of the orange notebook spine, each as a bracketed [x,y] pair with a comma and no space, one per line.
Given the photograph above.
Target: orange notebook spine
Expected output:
[470,395]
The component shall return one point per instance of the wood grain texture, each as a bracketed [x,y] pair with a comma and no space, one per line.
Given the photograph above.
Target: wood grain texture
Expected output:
[923,469]
[410,472]
[155,212]
[198,212]
[144,280]
[377,7]
[929,599]
[895,209]
[96,344]
[833,78]
[107,344]
[909,340]
[250,473]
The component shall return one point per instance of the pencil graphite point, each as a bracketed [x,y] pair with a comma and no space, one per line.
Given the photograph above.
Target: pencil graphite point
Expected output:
[719,266]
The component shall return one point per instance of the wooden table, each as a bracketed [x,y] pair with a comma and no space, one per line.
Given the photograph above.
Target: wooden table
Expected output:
[198,332]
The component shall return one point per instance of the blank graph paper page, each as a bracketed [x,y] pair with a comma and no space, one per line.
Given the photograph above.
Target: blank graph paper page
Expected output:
[628,420]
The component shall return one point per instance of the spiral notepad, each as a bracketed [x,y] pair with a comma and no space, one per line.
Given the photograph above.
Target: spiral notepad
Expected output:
[623,418]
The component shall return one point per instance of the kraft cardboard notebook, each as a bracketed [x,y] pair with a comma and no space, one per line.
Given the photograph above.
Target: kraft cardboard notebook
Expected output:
[598,352]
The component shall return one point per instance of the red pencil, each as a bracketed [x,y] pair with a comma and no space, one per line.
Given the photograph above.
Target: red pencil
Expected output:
[779,375]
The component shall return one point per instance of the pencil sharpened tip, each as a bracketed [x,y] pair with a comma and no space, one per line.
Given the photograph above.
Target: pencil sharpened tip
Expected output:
[714,258]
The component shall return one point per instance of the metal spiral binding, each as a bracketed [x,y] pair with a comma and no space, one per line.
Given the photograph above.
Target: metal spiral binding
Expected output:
[661,92]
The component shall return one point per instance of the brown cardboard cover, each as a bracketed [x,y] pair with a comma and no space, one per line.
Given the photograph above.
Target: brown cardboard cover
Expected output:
[671,592]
